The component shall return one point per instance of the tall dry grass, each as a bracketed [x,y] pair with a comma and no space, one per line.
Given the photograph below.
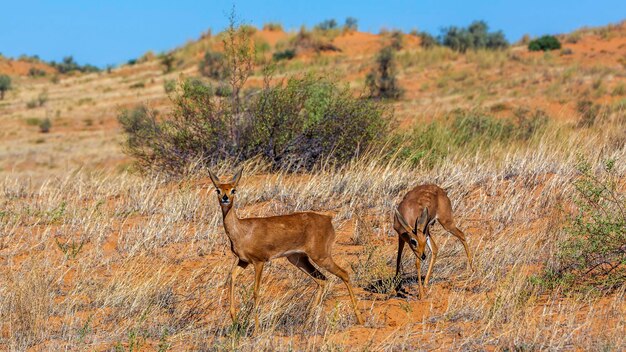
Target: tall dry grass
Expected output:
[101,261]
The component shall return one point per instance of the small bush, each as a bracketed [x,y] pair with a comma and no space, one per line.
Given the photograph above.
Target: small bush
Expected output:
[545,43]
[589,113]
[168,60]
[42,98]
[468,131]
[169,85]
[223,90]
[36,72]
[351,24]
[5,85]
[327,25]
[137,85]
[592,255]
[286,54]
[397,40]
[292,126]
[69,65]
[381,81]
[214,65]
[45,125]
[315,41]
[33,121]
[475,36]
[427,40]
[273,27]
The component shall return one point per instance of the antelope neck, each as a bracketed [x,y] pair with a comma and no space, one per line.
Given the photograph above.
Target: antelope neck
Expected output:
[231,221]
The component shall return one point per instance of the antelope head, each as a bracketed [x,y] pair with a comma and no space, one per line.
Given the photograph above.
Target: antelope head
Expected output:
[417,233]
[226,190]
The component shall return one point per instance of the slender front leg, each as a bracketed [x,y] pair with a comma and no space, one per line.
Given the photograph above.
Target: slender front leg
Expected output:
[258,272]
[433,256]
[399,264]
[237,268]
[419,277]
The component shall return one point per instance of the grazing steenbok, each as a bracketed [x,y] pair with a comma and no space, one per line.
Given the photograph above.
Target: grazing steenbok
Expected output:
[301,237]
[422,206]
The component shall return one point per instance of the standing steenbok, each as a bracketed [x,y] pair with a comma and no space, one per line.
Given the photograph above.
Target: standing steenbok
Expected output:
[301,237]
[422,206]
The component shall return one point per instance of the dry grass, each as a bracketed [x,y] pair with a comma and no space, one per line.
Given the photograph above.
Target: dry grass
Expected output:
[148,260]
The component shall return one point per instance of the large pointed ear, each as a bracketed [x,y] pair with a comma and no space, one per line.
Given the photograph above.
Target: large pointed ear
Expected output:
[422,222]
[403,222]
[237,177]
[214,179]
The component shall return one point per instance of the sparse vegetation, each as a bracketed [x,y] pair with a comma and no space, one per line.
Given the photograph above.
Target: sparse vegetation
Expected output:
[168,60]
[286,54]
[5,85]
[351,24]
[96,256]
[69,65]
[381,81]
[545,43]
[214,65]
[45,125]
[273,27]
[475,36]
[591,253]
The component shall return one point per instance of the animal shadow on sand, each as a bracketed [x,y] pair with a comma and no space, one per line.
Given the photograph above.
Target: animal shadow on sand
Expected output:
[388,286]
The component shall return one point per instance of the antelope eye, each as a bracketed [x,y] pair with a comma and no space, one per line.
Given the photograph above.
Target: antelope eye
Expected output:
[217,191]
[232,191]
[413,242]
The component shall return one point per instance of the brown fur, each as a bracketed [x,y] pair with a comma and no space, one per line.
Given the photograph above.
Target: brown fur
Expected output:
[301,237]
[422,206]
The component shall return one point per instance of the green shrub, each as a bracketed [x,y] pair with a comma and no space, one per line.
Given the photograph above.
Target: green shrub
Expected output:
[5,85]
[31,104]
[351,24]
[544,43]
[427,40]
[292,126]
[397,39]
[327,25]
[42,98]
[592,254]
[36,72]
[168,60]
[45,125]
[214,65]
[286,54]
[137,85]
[467,131]
[475,36]
[381,81]
[69,65]
[169,85]
[223,90]
[273,27]
[33,121]
[317,41]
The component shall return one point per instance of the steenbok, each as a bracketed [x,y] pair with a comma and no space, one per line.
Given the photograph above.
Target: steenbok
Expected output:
[422,206]
[301,237]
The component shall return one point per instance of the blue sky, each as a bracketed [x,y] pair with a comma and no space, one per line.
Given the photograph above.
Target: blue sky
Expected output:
[105,32]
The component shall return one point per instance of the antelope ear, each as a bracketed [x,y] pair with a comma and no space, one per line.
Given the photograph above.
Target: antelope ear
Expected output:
[237,177]
[403,222]
[422,222]
[214,179]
